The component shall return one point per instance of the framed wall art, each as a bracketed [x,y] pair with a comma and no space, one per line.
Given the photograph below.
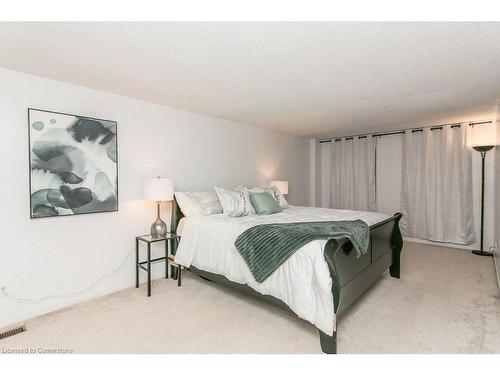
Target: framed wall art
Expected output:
[73,164]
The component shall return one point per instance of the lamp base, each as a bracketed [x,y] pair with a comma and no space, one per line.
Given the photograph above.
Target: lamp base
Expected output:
[158,228]
[482,253]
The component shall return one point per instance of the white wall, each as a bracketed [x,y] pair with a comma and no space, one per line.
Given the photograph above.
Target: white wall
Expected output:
[62,255]
[389,163]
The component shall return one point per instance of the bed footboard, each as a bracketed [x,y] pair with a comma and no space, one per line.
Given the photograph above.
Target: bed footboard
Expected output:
[328,343]
[351,277]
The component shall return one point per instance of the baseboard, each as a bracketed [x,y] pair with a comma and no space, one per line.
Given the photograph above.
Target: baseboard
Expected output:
[70,301]
[440,244]
[496,261]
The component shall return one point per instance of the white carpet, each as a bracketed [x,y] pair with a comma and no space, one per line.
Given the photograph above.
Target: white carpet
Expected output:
[446,302]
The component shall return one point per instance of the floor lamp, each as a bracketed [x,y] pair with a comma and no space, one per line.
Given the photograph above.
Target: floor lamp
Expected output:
[483,150]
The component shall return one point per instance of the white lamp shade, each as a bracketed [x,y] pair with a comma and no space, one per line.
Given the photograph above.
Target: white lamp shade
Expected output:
[281,185]
[484,135]
[158,189]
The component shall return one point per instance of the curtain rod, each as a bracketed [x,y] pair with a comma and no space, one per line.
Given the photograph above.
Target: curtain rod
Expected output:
[414,130]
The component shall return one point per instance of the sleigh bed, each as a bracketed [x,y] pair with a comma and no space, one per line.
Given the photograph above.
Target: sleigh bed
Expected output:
[350,276]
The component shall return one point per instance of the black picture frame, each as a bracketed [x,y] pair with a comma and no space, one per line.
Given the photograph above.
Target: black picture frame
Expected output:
[30,111]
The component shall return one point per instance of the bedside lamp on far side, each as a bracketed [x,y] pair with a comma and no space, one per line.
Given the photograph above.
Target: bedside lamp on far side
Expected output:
[159,190]
[281,185]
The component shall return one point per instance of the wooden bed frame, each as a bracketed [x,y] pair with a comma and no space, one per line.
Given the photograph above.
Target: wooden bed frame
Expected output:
[351,277]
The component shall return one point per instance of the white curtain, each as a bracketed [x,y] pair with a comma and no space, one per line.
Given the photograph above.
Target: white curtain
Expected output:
[436,195]
[353,174]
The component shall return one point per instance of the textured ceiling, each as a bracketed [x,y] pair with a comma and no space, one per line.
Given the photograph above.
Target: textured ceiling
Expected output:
[311,79]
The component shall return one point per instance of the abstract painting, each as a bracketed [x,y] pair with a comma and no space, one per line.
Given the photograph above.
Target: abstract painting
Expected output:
[73,164]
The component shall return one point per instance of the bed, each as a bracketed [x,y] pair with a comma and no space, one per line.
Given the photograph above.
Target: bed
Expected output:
[317,283]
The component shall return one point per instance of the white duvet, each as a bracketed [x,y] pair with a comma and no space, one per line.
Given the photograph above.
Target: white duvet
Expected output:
[303,281]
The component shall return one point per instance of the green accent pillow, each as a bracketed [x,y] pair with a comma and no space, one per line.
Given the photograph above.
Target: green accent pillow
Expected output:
[264,203]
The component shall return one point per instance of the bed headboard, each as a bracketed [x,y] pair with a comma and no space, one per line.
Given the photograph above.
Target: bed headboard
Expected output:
[174,222]
[177,215]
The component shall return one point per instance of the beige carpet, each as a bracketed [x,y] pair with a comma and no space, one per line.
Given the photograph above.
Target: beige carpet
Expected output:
[446,302]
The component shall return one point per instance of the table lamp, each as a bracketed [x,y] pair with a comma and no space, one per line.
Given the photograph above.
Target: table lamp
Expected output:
[159,190]
[281,185]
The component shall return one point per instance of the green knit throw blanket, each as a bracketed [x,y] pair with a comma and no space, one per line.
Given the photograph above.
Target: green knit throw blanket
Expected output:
[265,247]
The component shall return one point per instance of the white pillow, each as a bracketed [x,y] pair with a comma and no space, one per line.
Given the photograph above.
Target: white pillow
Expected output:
[234,203]
[196,203]
[245,191]
[186,204]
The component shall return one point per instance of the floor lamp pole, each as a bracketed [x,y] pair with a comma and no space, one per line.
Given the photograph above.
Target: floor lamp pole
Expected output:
[482,150]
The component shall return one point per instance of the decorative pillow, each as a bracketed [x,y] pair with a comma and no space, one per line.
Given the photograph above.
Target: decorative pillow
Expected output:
[279,197]
[245,191]
[264,203]
[274,191]
[197,203]
[186,204]
[233,201]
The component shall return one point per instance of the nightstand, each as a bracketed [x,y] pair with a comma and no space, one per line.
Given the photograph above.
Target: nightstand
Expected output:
[170,241]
